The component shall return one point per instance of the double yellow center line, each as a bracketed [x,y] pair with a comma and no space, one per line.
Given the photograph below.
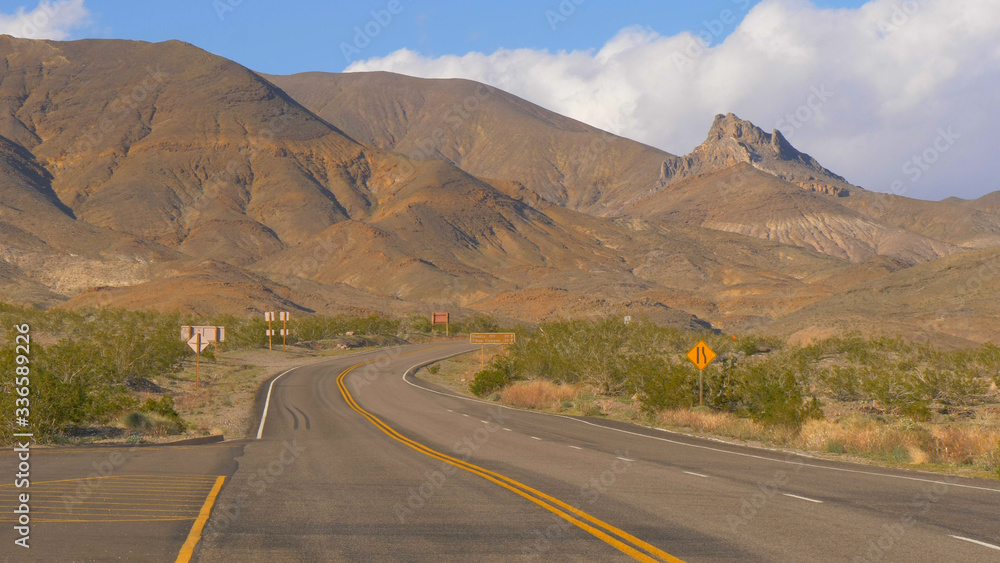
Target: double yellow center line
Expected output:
[619,539]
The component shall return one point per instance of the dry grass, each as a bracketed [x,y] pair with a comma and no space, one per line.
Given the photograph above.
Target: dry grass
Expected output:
[724,424]
[538,394]
[904,442]
[898,442]
[895,442]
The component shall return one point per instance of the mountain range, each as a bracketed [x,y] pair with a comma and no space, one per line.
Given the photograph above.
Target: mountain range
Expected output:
[157,175]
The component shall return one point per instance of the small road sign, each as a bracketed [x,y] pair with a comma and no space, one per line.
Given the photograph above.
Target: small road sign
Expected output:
[442,319]
[628,319]
[484,338]
[491,338]
[283,316]
[208,333]
[198,344]
[701,355]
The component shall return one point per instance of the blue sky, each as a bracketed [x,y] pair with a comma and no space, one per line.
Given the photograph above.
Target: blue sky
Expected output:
[289,37]
[869,88]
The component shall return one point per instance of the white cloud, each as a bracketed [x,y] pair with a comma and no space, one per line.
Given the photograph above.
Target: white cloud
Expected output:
[49,20]
[898,70]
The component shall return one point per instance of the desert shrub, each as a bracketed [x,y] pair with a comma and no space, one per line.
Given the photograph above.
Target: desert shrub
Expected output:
[496,376]
[751,344]
[153,423]
[897,388]
[959,385]
[766,392]
[489,380]
[66,388]
[664,386]
[843,383]
[138,421]
[164,406]
[434,369]
[418,324]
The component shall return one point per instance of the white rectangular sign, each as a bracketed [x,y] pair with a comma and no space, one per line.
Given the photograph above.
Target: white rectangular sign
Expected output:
[208,333]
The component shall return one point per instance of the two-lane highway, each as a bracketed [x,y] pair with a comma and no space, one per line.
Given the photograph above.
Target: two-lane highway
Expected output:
[356,463]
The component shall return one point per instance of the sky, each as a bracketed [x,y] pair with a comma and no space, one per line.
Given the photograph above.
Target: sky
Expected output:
[896,95]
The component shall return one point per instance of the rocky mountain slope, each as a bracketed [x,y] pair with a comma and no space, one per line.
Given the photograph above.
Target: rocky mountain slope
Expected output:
[732,141]
[159,175]
[484,131]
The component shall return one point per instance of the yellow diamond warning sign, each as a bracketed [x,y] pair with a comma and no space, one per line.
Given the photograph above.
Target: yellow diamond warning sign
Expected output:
[701,355]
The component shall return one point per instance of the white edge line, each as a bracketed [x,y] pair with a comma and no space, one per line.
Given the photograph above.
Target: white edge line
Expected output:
[625,459]
[977,542]
[698,446]
[576,447]
[267,402]
[803,498]
[535,438]
[696,474]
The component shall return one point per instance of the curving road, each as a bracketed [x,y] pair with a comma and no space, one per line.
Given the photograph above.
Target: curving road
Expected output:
[385,469]
[356,463]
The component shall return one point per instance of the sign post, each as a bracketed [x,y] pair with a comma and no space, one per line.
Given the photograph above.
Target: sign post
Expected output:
[284,329]
[197,362]
[270,333]
[701,355]
[484,338]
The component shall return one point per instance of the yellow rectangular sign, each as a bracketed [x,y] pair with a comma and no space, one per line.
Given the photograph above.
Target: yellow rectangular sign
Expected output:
[491,338]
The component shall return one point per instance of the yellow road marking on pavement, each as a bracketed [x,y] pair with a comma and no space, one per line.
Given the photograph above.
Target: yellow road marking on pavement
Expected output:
[191,516]
[75,502]
[114,492]
[63,521]
[187,550]
[123,478]
[551,504]
[90,450]
[112,498]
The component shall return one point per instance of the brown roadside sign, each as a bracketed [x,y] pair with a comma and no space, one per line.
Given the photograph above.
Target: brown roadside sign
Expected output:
[491,338]
[439,318]
[701,355]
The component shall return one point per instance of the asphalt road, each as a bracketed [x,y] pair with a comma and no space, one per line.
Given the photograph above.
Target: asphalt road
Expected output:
[361,465]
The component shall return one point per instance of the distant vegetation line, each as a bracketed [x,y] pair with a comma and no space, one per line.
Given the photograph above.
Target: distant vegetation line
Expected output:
[762,378]
[89,366]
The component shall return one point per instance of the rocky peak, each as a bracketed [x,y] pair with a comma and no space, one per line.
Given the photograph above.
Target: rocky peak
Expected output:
[732,140]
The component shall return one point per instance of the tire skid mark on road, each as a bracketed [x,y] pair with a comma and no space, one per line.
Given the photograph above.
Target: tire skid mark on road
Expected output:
[295,419]
[305,418]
